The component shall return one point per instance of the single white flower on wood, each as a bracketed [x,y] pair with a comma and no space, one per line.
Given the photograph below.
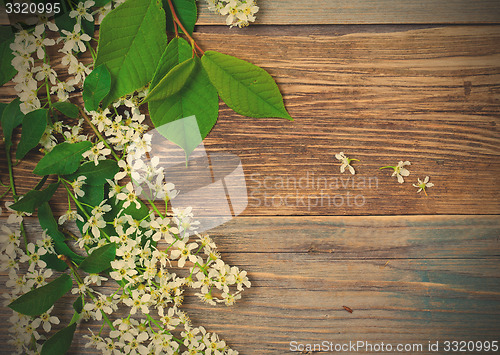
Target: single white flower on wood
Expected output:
[422,185]
[346,162]
[399,170]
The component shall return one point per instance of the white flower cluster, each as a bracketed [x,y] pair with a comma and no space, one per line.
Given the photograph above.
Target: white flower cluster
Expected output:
[154,295]
[32,62]
[26,271]
[25,47]
[58,131]
[147,248]
[124,128]
[239,12]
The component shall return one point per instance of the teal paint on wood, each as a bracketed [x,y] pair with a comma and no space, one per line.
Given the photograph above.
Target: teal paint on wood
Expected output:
[407,279]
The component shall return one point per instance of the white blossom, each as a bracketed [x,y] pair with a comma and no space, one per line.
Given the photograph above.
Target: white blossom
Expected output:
[38,278]
[62,89]
[40,42]
[34,257]
[239,12]
[121,271]
[97,152]
[81,11]
[46,320]
[346,162]
[75,40]
[422,185]
[399,170]
[94,224]
[183,253]
[70,215]
[78,184]
[129,196]
[138,302]
[99,305]
[10,241]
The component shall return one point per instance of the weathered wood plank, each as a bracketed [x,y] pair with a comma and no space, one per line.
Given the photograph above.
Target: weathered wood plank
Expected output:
[304,12]
[384,237]
[328,12]
[430,96]
[423,282]
[430,279]
[380,98]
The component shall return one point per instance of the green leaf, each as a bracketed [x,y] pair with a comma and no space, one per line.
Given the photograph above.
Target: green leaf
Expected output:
[41,299]
[76,317]
[185,133]
[78,304]
[177,51]
[34,198]
[40,183]
[53,262]
[246,88]
[100,259]
[173,82]
[67,108]
[64,159]
[198,98]
[136,213]
[186,12]
[96,174]
[11,118]
[88,27]
[3,105]
[34,124]
[94,194]
[131,41]
[101,3]
[49,224]
[60,342]
[96,87]
[7,71]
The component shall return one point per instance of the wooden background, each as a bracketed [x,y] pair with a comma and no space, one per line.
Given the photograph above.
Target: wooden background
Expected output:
[382,81]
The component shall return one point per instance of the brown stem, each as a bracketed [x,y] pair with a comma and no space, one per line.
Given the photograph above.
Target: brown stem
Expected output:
[176,29]
[176,19]
[69,233]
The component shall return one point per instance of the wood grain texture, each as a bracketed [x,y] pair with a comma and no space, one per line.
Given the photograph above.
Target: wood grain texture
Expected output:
[304,12]
[430,96]
[332,12]
[380,98]
[407,279]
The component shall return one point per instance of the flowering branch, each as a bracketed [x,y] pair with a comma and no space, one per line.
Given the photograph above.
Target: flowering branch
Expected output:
[121,235]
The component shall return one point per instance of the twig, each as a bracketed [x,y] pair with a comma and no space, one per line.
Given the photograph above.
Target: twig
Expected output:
[176,19]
